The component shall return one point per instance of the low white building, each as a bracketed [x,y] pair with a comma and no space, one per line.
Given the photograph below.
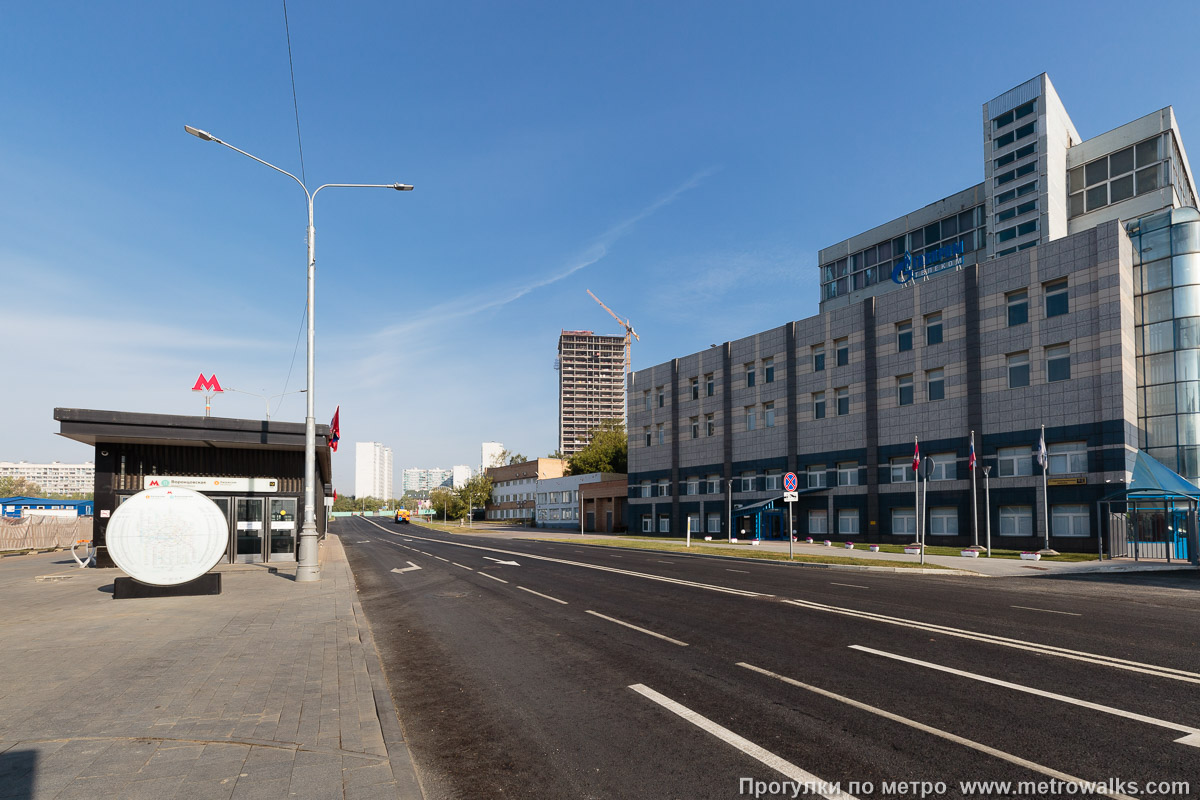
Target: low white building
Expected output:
[461,474]
[558,499]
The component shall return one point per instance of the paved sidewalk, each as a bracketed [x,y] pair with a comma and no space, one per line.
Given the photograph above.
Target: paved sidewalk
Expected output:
[991,567]
[272,689]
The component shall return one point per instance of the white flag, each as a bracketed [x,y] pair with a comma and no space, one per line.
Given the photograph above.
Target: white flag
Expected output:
[1041,450]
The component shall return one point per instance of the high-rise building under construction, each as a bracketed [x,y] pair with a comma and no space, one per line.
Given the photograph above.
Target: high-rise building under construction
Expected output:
[591,385]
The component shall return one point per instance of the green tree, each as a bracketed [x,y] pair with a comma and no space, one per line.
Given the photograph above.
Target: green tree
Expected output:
[607,450]
[344,502]
[19,487]
[476,492]
[509,457]
[446,503]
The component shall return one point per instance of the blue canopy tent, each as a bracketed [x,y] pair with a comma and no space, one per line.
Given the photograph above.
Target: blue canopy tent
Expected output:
[1160,519]
[768,517]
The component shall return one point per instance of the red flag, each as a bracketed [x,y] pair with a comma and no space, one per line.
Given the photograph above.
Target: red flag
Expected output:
[971,457]
[916,456]
[335,431]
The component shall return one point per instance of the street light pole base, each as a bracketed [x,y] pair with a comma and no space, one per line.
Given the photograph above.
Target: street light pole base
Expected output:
[309,567]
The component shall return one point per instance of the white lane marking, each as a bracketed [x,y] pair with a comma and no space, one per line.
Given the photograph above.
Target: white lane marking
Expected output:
[1043,649]
[493,577]
[439,558]
[602,568]
[464,566]
[636,628]
[411,566]
[748,747]
[1047,610]
[505,563]
[1194,733]
[665,562]
[982,748]
[743,571]
[539,594]
[851,585]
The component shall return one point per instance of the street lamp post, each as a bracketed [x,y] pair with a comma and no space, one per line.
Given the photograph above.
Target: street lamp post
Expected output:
[308,567]
[266,399]
[987,509]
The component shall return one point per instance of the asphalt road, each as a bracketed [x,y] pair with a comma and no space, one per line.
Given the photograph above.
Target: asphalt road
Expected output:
[594,672]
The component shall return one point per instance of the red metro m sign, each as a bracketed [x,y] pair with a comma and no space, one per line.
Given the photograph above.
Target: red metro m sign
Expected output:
[207,384]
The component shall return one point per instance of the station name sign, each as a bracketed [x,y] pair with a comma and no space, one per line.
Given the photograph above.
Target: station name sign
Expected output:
[911,268]
[199,484]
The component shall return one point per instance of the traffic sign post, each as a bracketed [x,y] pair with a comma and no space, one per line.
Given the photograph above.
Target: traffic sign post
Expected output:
[789,496]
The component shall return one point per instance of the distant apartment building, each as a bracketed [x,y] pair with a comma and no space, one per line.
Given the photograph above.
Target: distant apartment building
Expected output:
[514,487]
[591,385]
[489,455]
[372,470]
[416,479]
[53,478]
[461,475]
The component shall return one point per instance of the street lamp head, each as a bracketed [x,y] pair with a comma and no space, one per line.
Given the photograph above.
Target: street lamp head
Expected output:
[402,187]
[199,134]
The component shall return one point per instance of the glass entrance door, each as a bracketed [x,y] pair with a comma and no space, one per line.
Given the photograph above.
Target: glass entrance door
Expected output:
[283,529]
[223,504]
[249,530]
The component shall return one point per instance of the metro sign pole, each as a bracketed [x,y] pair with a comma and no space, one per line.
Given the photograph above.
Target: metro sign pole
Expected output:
[210,386]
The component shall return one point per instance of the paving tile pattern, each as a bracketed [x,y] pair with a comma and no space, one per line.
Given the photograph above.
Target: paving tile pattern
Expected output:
[270,690]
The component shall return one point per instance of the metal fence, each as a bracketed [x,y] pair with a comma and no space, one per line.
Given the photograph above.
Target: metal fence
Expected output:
[39,533]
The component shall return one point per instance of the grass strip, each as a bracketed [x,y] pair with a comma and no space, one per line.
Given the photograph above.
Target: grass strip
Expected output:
[763,555]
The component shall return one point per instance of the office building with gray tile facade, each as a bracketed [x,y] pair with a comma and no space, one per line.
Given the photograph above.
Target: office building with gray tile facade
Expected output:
[1062,291]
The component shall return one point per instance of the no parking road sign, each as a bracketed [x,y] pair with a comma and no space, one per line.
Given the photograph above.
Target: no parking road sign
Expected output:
[789,482]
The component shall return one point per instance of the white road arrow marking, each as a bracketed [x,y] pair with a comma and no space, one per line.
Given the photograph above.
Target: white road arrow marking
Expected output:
[411,566]
[506,563]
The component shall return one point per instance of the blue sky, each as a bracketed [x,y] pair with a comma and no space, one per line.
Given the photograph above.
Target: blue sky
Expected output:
[684,161]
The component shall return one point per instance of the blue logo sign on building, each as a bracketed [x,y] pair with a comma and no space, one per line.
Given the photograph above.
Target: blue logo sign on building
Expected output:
[911,268]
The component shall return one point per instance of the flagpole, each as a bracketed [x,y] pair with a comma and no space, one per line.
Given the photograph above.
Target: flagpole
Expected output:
[974,497]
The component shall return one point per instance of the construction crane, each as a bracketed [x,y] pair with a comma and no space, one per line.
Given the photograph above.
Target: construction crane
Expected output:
[629,331]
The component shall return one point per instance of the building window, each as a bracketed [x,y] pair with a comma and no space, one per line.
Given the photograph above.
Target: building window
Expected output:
[662,398]
[748,481]
[904,339]
[1058,363]
[904,522]
[711,424]
[664,523]
[843,401]
[750,421]
[769,414]
[648,437]
[943,522]
[1110,179]
[695,388]
[847,473]
[769,370]
[1067,457]
[646,399]
[1013,462]
[945,467]
[1069,520]
[750,375]
[818,357]
[714,523]
[935,384]
[647,523]
[904,390]
[901,469]
[933,329]
[695,427]
[848,521]
[818,405]
[774,480]
[664,488]
[818,523]
[842,349]
[692,486]
[1016,520]
[1056,298]
[714,484]
[1018,370]
[1018,307]
[816,476]
[709,384]
[662,437]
